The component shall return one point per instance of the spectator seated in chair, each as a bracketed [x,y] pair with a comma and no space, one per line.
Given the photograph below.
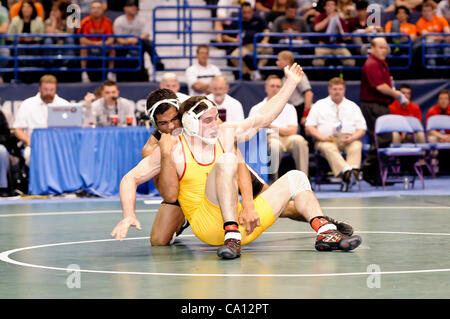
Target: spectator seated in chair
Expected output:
[337,124]
[410,109]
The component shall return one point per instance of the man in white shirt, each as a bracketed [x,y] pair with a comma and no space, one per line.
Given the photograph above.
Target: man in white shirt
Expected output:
[170,81]
[112,110]
[199,75]
[229,108]
[337,124]
[33,112]
[282,134]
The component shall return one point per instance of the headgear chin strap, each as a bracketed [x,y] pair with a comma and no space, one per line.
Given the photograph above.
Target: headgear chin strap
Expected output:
[151,110]
[191,121]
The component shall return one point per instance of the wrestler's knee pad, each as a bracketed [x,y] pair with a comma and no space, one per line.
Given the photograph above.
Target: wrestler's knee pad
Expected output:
[298,182]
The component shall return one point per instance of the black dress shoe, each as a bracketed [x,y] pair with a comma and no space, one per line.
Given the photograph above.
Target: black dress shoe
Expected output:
[346,181]
[357,174]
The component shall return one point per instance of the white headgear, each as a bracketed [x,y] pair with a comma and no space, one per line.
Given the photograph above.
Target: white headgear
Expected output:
[191,120]
[151,110]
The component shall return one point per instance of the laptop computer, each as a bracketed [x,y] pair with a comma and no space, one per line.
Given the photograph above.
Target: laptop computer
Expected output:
[65,115]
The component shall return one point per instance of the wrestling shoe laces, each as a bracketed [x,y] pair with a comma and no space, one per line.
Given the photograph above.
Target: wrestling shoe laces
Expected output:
[230,249]
[335,240]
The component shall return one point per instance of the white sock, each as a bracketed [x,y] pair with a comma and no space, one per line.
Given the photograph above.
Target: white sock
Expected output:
[233,234]
[326,227]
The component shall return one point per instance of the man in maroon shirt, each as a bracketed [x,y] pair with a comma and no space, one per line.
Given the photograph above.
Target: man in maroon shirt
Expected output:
[376,95]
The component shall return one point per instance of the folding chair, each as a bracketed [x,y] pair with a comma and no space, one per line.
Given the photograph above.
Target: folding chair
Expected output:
[389,158]
[437,123]
[428,148]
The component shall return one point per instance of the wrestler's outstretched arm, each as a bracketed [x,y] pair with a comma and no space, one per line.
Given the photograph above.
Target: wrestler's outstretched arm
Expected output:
[147,168]
[248,128]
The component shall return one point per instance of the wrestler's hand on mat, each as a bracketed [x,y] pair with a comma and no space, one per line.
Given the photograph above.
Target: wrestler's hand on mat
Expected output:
[294,72]
[121,229]
[249,219]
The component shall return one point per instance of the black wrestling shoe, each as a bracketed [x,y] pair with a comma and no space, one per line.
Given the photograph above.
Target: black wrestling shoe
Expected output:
[175,235]
[185,225]
[335,240]
[231,249]
[342,227]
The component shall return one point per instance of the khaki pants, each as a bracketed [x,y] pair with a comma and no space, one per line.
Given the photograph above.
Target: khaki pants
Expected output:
[331,151]
[398,138]
[330,51]
[293,144]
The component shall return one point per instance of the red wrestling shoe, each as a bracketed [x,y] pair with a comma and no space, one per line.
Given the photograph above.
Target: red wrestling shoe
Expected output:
[334,240]
[231,249]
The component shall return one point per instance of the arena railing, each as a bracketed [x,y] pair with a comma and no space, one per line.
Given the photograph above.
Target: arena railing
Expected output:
[303,50]
[436,51]
[16,57]
[183,17]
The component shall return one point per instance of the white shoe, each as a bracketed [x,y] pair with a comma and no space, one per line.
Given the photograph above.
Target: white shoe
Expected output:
[111,76]
[85,77]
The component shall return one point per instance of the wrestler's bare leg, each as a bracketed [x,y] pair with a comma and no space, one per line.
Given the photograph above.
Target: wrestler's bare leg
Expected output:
[168,221]
[289,210]
[278,195]
[221,186]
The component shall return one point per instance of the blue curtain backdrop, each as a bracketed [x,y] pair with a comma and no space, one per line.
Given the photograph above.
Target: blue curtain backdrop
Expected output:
[66,160]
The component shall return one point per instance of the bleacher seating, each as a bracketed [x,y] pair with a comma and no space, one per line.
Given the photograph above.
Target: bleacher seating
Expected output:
[179,26]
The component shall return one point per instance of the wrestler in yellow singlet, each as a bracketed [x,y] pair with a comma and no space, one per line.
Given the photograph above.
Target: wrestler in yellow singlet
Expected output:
[204,217]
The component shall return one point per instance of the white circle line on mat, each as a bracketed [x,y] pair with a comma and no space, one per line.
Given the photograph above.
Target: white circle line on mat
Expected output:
[5,256]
